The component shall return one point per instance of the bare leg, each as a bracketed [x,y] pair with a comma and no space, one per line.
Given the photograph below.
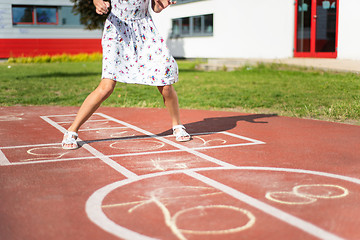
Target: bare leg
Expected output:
[172,104]
[92,103]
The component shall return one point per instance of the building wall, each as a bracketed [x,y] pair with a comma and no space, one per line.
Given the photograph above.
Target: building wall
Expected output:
[39,40]
[253,29]
[242,29]
[349,30]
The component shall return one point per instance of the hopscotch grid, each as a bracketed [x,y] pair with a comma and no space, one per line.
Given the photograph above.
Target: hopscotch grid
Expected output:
[129,154]
[113,164]
[107,118]
[190,172]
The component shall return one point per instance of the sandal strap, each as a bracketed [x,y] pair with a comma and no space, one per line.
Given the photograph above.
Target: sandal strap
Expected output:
[180,132]
[178,127]
[70,138]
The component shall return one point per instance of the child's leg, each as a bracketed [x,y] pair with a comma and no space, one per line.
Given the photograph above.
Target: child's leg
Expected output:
[172,104]
[92,103]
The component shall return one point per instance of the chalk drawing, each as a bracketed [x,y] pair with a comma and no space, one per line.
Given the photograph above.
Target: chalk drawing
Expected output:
[307,194]
[122,134]
[325,191]
[16,117]
[136,145]
[249,223]
[94,205]
[157,197]
[45,153]
[164,165]
[205,143]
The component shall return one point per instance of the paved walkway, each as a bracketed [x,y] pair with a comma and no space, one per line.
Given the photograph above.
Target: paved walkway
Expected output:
[342,65]
[243,176]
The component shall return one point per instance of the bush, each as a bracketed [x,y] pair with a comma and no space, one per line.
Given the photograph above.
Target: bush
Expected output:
[82,57]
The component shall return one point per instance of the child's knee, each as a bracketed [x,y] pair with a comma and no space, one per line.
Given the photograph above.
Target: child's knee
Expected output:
[168,91]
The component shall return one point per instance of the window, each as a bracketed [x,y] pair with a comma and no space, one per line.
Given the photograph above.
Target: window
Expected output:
[67,18]
[192,26]
[60,16]
[46,15]
[23,15]
[186,1]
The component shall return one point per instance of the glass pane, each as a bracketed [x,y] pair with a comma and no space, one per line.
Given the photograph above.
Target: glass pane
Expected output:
[68,17]
[185,26]
[325,25]
[208,23]
[175,28]
[22,14]
[303,26]
[46,15]
[197,24]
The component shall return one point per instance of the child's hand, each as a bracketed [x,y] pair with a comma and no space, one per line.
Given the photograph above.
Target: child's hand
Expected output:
[101,6]
[159,5]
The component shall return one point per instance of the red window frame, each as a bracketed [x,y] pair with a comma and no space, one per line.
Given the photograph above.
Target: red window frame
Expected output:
[313,52]
[57,16]
[34,17]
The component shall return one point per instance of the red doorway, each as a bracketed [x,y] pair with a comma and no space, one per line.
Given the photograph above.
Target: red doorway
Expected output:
[316,28]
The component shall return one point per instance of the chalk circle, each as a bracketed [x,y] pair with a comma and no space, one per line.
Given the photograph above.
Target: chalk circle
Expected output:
[45,153]
[289,198]
[250,219]
[137,145]
[326,191]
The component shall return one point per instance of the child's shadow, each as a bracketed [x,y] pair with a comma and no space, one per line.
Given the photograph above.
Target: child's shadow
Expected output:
[219,124]
[206,126]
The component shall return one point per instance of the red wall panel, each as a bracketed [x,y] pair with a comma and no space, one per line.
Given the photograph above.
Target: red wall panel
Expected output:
[34,47]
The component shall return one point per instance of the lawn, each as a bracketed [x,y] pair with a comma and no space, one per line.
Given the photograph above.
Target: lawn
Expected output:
[278,89]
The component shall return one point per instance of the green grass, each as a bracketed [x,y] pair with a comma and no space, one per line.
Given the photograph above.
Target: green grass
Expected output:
[268,89]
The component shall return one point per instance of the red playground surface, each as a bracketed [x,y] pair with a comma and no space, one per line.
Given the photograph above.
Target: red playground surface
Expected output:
[243,176]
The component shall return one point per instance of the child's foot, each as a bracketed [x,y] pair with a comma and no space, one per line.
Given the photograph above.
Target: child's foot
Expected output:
[180,133]
[69,141]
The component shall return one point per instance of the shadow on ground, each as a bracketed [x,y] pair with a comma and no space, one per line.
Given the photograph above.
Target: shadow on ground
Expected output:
[207,126]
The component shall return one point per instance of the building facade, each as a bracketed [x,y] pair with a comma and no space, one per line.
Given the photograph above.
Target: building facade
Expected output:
[39,27]
[197,29]
[262,28]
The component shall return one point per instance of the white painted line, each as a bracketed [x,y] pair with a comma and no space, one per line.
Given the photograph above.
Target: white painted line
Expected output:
[65,115]
[281,215]
[244,138]
[31,146]
[86,121]
[189,150]
[95,152]
[226,146]
[3,159]
[94,211]
[92,129]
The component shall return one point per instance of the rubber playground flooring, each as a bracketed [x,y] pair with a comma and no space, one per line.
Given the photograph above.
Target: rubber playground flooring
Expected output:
[243,176]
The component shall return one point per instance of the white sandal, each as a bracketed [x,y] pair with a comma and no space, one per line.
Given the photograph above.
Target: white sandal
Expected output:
[181,135]
[70,139]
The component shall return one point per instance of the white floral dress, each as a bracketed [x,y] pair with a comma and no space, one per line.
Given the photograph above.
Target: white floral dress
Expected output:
[133,50]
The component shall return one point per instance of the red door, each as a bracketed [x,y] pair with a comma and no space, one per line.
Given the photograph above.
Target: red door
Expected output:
[316,28]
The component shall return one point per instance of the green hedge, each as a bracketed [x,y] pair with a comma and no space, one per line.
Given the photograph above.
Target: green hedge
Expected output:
[82,57]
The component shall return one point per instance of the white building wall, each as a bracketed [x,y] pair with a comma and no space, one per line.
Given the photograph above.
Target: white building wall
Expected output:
[8,31]
[258,29]
[349,30]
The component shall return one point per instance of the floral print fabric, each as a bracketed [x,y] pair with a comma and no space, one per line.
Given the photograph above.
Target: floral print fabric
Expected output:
[133,50]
